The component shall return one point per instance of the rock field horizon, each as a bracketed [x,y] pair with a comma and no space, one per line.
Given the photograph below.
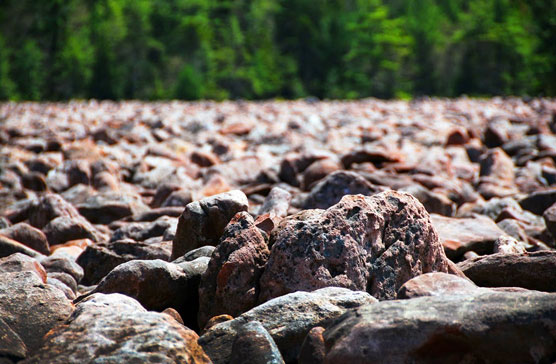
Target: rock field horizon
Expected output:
[302,231]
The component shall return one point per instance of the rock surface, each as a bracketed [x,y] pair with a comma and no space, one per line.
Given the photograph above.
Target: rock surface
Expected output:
[448,329]
[363,243]
[116,329]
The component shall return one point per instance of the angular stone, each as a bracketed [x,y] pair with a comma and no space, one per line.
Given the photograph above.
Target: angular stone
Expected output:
[372,244]
[436,284]
[312,349]
[30,307]
[448,329]
[106,207]
[116,329]
[11,345]
[536,270]
[459,235]
[141,231]
[508,245]
[204,251]
[549,216]
[538,202]
[288,319]
[331,189]
[202,222]
[28,236]
[496,175]
[49,207]
[254,345]
[9,246]
[19,262]
[98,260]
[231,283]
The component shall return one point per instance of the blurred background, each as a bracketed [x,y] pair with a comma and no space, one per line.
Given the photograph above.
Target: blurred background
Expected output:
[259,49]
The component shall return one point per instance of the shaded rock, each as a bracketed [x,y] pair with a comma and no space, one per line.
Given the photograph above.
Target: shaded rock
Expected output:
[61,264]
[508,245]
[202,222]
[448,329]
[277,202]
[106,207]
[459,235]
[288,319]
[154,214]
[116,329]
[28,236]
[204,251]
[19,262]
[372,244]
[312,349]
[254,345]
[34,181]
[178,199]
[216,320]
[78,171]
[162,192]
[435,203]
[230,283]
[140,231]
[49,207]
[98,260]
[330,190]
[11,345]
[538,202]
[436,284]
[374,154]
[536,270]
[317,171]
[174,314]
[496,177]
[65,278]
[549,216]
[9,246]
[63,229]
[30,307]
[68,292]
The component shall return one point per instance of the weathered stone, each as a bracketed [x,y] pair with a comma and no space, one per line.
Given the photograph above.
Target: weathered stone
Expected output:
[178,198]
[19,262]
[105,207]
[277,202]
[331,189]
[215,321]
[434,203]
[62,264]
[536,270]
[34,181]
[11,345]
[549,216]
[254,345]
[204,251]
[116,329]
[174,314]
[98,260]
[436,284]
[288,319]
[202,222]
[68,292]
[448,329]
[312,349]
[9,246]
[49,207]
[63,229]
[28,236]
[141,231]
[363,243]
[30,307]
[374,154]
[508,245]
[459,235]
[317,171]
[230,283]
[496,175]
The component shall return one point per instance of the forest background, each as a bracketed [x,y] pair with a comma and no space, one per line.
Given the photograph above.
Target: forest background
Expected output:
[260,49]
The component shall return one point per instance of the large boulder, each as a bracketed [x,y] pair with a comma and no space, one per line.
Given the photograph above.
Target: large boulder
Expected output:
[493,327]
[372,244]
[231,283]
[202,222]
[115,329]
[31,307]
[288,319]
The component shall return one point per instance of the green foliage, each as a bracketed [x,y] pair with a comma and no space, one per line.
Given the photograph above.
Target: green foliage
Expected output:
[257,49]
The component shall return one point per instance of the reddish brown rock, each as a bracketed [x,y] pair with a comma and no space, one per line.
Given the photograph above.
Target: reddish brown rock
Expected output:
[436,284]
[202,222]
[371,243]
[230,284]
[276,203]
[549,216]
[28,236]
[312,349]
[9,246]
[19,262]
[254,345]
[317,171]
[63,229]
[496,175]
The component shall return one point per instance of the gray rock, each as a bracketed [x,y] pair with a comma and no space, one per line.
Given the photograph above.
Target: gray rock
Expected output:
[140,231]
[62,264]
[106,207]
[204,251]
[436,284]
[11,345]
[30,307]
[115,329]
[508,245]
[19,262]
[254,345]
[288,319]
[9,246]
[495,327]
[202,222]
[49,207]
[435,203]
[277,202]
[28,236]
[538,202]
[63,229]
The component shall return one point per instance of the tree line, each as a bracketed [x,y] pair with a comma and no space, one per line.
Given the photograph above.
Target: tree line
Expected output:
[258,49]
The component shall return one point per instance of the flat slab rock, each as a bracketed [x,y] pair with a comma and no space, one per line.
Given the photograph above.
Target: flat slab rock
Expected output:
[494,327]
[116,329]
[288,319]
